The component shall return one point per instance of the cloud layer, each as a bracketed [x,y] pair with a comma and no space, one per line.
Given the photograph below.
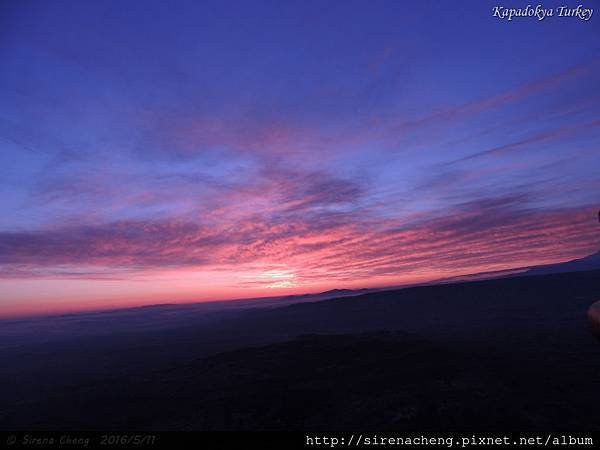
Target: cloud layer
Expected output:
[205,150]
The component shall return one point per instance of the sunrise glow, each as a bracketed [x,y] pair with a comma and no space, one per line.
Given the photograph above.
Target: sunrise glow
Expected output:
[209,156]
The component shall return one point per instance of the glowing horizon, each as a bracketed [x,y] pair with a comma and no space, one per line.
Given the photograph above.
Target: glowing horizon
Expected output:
[199,157]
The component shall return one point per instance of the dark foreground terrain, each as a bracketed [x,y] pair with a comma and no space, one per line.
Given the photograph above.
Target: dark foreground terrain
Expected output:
[512,353]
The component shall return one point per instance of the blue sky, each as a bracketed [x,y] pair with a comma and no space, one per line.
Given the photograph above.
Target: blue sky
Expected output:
[231,149]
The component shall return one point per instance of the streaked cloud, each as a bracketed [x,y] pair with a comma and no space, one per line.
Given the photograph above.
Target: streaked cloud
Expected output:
[205,157]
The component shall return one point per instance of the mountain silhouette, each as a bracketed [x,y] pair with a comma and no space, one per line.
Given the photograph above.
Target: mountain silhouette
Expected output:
[590,262]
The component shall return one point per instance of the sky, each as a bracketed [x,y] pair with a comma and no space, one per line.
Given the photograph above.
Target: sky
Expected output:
[155,151]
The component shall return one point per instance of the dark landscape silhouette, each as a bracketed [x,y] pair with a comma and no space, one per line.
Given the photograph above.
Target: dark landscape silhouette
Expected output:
[506,353]
[288,215]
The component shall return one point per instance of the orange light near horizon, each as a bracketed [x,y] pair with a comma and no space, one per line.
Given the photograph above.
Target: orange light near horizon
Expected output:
[306,262]
[279,278]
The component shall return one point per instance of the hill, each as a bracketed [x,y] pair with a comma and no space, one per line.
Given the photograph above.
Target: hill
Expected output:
[511,353]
